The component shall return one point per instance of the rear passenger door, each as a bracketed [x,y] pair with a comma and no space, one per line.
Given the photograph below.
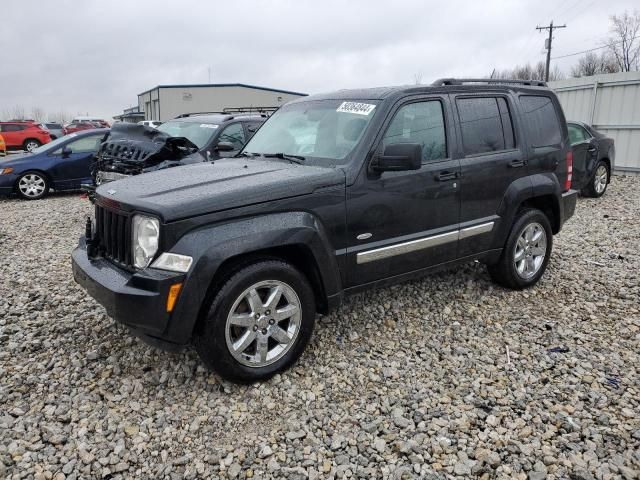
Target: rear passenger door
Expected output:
[492,161]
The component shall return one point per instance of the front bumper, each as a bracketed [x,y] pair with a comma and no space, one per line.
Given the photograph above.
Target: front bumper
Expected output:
[7,183]
[136,300]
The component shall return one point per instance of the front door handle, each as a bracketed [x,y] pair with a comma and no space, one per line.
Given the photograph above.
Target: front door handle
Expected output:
[446,175]
[517,163]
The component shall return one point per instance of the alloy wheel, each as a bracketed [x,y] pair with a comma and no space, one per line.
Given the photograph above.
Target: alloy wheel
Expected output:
[263,323]
[31,146]
[600,179]
[530,250]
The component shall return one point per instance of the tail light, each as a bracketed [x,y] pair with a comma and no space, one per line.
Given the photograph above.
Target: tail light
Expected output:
[567,182]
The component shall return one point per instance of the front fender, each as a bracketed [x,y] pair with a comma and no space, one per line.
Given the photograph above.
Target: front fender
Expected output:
[212,245]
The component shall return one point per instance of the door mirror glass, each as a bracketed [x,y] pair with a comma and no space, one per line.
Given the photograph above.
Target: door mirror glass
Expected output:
[399,157]
[66,151]
[225,147]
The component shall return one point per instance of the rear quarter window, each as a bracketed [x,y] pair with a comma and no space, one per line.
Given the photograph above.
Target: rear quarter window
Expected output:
[541,120]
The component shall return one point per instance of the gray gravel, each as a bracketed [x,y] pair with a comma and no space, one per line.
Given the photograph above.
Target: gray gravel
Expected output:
[407,382]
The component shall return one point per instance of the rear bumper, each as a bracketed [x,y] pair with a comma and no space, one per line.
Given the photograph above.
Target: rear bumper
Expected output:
[568,205]
[136,300]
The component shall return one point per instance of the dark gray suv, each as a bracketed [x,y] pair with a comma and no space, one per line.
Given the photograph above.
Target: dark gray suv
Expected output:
[335,194]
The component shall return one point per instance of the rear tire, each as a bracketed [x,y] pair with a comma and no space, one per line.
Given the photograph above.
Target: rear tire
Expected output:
[32,185]
[526,252]
[599,182]
[259,322]
[31,144]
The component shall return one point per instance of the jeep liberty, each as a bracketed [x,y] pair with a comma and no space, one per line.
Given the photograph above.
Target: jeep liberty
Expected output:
[335,194]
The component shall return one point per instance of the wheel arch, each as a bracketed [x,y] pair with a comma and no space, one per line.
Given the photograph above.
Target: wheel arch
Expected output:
[33,170]
[295,237]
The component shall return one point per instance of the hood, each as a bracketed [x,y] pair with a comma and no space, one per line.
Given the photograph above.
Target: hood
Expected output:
[209,187]
[132,148]
[14,159]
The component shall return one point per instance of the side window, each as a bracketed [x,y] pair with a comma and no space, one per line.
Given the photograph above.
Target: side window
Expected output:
[486,126]
[577,134]
[252,128]
[542,120]
[12,127]
[423,123]
[85,144]
[234,134]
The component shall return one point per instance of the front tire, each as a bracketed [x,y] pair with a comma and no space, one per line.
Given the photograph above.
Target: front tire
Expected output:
[32,186]
[259,322]
[598,184]
[31,144]
[526,252]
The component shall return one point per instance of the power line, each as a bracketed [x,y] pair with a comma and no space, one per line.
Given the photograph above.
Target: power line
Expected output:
[591,49]
[550,28]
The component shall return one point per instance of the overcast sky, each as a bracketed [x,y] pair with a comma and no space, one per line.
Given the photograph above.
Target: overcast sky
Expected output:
[96,56]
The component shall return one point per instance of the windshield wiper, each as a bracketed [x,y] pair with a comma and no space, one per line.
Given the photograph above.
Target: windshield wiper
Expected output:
[285,156]
[249,154]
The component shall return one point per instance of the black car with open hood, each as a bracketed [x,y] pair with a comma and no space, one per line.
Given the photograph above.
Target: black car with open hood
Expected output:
[190,138]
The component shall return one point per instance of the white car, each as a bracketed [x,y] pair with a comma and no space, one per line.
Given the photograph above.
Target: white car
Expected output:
[150,123]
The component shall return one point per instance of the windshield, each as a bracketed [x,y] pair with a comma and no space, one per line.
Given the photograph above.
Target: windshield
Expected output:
[197,133]
[323,129]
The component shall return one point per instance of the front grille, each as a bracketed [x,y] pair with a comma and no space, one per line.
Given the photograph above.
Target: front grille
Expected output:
[113,232]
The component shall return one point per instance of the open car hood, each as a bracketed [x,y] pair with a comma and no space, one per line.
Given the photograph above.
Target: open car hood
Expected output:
[132,149]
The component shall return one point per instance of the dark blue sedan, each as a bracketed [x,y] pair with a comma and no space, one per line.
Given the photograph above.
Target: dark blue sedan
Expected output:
[63,164]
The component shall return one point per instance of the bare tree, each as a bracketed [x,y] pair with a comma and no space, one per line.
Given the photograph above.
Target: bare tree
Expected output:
[17,112]
[593,64]
[417,78]
[624,42]
[530,72]
[38,114]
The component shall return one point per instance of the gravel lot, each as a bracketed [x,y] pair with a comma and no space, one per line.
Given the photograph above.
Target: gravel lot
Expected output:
[411,381]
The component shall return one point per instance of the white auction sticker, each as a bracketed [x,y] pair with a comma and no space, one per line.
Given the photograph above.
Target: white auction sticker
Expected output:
[357,108]
[208,125]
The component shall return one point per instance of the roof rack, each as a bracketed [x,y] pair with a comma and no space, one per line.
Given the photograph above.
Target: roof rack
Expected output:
[233,111]
[461,81]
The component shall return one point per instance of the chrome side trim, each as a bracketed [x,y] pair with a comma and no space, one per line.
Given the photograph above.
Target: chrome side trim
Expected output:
[475,230]
[422,243]
[406,247]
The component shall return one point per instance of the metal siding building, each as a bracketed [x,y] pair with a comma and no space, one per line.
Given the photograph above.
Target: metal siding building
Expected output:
[165,102]
[611,103]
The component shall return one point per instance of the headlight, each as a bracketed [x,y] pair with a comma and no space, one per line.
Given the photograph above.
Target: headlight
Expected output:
[5,171]
[146,233]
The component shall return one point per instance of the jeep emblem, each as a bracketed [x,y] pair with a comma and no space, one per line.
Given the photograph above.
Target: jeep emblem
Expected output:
[111,192]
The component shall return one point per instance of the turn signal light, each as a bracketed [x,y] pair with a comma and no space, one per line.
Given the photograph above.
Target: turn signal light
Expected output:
[172,298]
[567,182]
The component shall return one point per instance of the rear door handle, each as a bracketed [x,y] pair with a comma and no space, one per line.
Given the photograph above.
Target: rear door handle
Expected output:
[517,163]
[446,175]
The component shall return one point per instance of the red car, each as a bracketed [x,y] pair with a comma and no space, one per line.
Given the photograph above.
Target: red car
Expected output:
[76,127]
[23,135]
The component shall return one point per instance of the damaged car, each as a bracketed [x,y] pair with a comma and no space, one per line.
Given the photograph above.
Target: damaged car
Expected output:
[190,138]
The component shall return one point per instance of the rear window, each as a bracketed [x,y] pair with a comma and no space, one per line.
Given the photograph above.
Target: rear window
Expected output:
[486,125]
[543,126]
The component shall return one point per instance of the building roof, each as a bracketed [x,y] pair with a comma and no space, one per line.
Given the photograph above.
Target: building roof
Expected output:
[210,85]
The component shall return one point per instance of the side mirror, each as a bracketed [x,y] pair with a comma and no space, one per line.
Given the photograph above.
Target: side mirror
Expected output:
[66,151]
[225,147]
[399,157]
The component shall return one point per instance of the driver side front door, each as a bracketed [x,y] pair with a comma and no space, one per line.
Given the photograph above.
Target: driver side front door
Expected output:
[70,170]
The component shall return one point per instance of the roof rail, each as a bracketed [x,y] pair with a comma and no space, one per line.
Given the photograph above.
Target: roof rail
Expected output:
[234,111]
[461,81]
[190,114]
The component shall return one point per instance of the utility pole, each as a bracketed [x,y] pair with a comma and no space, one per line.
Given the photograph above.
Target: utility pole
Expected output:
[550,28]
